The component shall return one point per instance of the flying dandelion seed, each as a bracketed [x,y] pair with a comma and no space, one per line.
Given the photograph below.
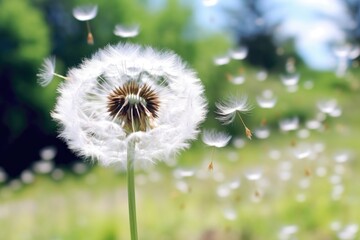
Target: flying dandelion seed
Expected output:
[221,60]
[239,53]
[266,99]
[48,153]
[230,214]
[261,75]
[43,166]
[209,3]
[27,177]
[183,173]
[85,14]
[290,80]
[289,124]
[262,132]
[127,31]
[327,106]
[253,174]
[215,139]
[236,80]
[3,175]
[228,109]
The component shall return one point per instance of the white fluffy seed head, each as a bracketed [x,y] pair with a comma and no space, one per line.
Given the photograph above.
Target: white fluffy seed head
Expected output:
[92,131]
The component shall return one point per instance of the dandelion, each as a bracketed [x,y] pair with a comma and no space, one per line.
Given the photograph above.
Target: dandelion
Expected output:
[85,14]
[47,72]
[130,105]
[228,109]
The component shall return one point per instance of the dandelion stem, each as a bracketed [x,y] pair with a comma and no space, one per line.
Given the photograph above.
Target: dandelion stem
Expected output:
[60,76]
[242,120]
[131,189]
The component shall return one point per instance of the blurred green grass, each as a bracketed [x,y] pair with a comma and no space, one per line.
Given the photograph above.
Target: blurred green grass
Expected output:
[94,205]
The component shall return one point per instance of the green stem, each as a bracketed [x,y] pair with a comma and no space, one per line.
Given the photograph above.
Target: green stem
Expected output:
[131,189]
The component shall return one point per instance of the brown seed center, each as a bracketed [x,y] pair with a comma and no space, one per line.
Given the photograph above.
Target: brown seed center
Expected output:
[135,106]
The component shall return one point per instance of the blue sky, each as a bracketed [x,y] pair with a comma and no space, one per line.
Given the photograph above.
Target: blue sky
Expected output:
[315,25]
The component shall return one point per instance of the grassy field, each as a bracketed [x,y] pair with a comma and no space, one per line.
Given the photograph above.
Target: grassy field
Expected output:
[301,184]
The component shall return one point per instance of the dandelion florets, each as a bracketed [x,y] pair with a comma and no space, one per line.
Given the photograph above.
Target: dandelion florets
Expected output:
[130,93]
[135,106]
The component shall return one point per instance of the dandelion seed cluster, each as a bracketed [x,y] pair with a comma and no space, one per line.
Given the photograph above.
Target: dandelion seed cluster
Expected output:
[130,93]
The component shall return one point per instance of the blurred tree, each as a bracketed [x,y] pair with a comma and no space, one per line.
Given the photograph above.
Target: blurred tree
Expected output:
[23,45]
[252,30]
[26,40]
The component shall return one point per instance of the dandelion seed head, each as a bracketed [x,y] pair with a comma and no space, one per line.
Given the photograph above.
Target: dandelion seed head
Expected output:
[47,70]
[127,93]
[85,12]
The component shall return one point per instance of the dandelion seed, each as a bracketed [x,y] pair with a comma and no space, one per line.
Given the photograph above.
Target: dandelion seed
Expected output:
[327,106]
[48,153]
[253,175]
[262,132]
[86,13]
[227,111]
[127,31]
[230,214]
[261,75]
[27,177]
[211,166]
[239,53]
[47,71]
[209,3]
[289,124]
[43,167]
[266,99]
[221,60]
[215,139]
[3,175]
[127,93]
[237,80]
[248,133]
[290,80]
